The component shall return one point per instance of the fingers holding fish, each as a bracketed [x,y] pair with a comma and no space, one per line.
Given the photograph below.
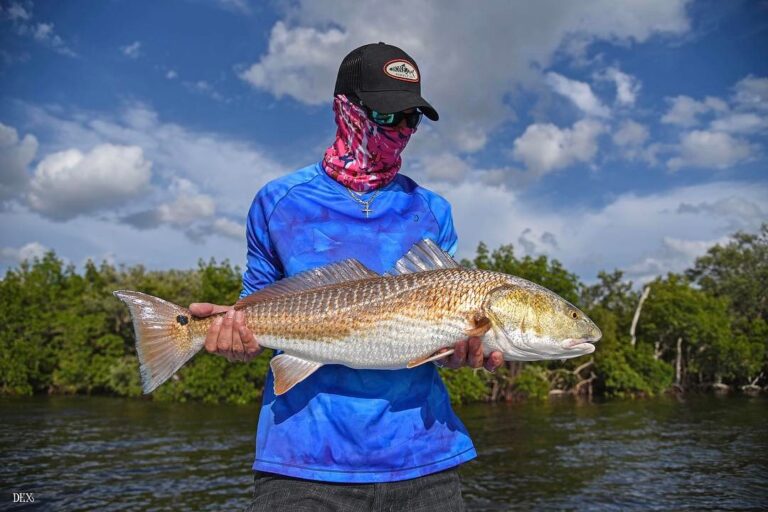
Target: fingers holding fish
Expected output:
[474,352]
[459,356]
[244,346]
[494,361]
[251,346]
[203,309]
[225,340]
[470,353]
[211,338]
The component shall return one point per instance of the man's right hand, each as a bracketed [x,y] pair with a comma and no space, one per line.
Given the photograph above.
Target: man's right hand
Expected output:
[228,336]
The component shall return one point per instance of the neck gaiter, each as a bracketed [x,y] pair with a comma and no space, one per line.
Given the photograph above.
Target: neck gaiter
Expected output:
[364,156]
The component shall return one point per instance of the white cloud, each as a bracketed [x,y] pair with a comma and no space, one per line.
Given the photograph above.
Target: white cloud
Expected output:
[222,169]
[738,212]
[725,143]
[710,150]
[627,86]
[228,228]
[739,123]
[188,206]
[306,47]
[623,233]
[445,167]
[30,251]
[684,111]
[630,138]
[44,33]
[580,93]
[171,74]
[188,210]
[132,51]
[203,87]
[752,93]
[545,147]
[630,133]
[21,21]
[16,12]
[198,176]
[238,6]
[716,104]
[165,247]
[673,255]
[301,63]
[15,157]
[534,244]
[71,183]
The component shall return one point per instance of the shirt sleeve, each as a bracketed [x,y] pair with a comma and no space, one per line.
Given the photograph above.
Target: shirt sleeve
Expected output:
[263,265]
[446,238]
[449,240]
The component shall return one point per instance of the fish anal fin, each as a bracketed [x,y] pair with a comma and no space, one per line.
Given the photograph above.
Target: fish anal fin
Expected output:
[289,370]
[432,357]
[480,326]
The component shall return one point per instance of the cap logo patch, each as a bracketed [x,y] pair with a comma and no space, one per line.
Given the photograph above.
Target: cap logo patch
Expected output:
[401,70]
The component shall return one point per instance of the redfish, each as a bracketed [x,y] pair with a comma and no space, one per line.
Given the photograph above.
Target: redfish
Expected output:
[344,313]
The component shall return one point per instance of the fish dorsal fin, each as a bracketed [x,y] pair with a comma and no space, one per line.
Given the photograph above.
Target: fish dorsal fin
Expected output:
[334,273]
[424,255]
[289,370]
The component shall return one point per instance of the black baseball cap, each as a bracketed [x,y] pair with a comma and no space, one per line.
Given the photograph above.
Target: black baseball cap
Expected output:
[384,78]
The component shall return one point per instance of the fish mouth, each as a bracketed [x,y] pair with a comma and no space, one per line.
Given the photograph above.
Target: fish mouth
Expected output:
[579,342]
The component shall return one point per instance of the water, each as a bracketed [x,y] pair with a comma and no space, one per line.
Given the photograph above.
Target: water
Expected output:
[85,453]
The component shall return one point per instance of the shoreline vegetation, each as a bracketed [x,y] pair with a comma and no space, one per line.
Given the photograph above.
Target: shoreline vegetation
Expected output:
[705,329]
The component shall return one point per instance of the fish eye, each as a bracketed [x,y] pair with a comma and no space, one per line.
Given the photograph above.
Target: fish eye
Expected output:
[574,315]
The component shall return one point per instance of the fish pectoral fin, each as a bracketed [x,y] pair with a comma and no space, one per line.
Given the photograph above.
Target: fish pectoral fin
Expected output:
[290,370]
[421,360]
[480,326]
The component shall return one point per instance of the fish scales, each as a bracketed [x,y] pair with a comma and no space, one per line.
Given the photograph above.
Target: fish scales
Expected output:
[384,322]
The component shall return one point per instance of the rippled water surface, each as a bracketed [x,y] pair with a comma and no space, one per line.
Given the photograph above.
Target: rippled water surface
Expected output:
[700,453]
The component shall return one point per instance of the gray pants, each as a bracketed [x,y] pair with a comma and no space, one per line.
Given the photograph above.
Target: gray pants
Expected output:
[438,491]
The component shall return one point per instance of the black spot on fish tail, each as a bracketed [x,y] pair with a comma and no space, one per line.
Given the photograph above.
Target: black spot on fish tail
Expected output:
[182,319]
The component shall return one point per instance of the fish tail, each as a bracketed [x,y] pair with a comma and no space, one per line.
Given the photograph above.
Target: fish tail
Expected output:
[164,339]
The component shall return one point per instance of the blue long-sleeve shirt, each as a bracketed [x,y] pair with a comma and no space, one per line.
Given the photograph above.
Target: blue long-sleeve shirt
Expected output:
[342,424]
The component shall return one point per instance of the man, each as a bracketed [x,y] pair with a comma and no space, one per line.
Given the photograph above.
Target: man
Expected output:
[361,439]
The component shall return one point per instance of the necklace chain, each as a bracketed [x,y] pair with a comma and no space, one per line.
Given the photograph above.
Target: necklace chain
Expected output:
[365,204]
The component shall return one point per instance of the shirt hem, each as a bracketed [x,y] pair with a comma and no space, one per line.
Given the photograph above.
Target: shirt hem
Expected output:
[363,476]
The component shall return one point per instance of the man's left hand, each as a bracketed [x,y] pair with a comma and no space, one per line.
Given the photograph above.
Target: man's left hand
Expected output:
[470,353]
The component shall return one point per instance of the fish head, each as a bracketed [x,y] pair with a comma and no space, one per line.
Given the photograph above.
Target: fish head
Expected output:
[532,323]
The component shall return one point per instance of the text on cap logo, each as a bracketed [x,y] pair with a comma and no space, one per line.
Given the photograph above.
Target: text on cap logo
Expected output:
[401,70]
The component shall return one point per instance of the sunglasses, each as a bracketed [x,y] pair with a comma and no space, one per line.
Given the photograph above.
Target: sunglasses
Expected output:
[412,119]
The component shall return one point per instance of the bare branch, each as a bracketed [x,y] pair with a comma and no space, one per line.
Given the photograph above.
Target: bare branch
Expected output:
[646,292]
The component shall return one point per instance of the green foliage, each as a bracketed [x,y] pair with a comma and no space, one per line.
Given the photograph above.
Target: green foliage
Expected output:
[613,294]
[737,271]
[533,382]
[674,311]
[465,385]
[64,332]
[124,377]
[738,274]
[657,375]
[219,284]
[617,376]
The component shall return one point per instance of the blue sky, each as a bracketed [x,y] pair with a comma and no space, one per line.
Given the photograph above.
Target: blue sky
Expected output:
[605,134]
